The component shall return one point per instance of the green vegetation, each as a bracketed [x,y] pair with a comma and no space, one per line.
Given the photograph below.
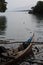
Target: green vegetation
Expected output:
[38,9]
[2,23]
[3,6]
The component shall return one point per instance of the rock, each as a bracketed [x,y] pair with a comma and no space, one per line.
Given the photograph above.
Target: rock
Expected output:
[34,64]
[37,49]
[25,63]
[2,49]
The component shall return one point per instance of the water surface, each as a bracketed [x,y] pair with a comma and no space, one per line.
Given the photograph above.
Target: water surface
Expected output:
[17,26]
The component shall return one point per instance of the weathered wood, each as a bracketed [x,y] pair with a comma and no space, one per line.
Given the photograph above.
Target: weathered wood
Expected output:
[6,57]
[8,42]
[20,55]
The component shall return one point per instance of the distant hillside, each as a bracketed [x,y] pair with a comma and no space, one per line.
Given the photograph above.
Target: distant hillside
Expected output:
[22,9]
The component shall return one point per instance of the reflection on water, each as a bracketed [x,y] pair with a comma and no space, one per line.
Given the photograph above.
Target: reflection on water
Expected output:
[39,17]
[19,27]
[39,26]
[2,25]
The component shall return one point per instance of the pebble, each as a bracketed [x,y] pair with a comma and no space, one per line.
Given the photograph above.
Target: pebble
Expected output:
[25,63]
[34,64]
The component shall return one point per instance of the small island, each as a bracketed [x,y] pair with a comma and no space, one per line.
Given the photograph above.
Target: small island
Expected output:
[37,9]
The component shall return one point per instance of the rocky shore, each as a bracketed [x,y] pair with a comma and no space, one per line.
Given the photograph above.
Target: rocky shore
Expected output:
[36,60]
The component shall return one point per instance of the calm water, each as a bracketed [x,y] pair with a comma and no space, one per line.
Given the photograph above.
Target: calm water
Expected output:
[17,26]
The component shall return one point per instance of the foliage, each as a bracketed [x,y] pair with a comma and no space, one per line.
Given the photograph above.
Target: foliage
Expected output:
[3,6]
[38,9]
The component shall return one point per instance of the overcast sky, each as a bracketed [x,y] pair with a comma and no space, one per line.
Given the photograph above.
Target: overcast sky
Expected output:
[13,4]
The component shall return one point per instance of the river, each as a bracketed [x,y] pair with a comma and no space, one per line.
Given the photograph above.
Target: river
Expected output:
[19,26]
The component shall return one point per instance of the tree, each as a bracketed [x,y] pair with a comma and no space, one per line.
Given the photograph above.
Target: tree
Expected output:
[38,9]
[3,6]
[2,0]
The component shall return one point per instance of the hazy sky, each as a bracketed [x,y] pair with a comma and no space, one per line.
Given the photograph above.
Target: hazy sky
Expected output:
[13,4]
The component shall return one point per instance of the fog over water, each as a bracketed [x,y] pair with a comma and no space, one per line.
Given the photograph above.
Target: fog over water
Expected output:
[19,4]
